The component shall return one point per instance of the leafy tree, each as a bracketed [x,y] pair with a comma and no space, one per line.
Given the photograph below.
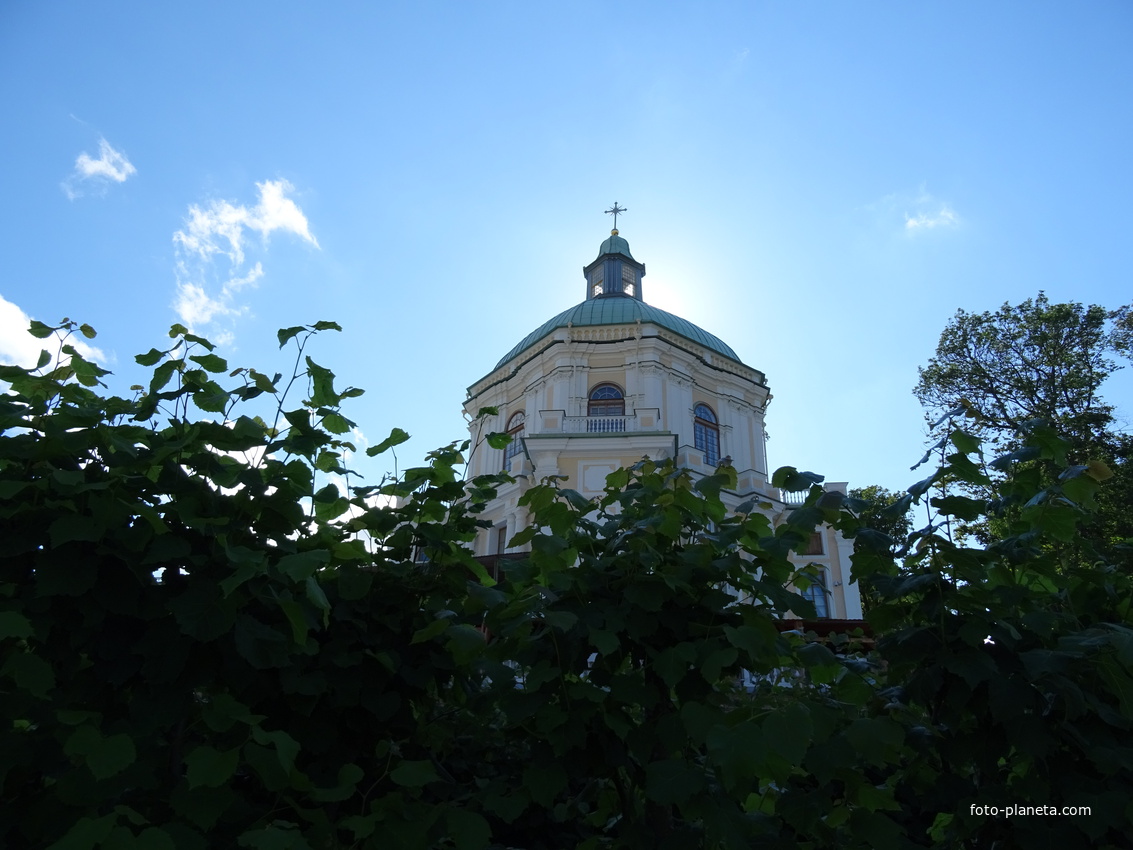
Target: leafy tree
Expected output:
[1112,524]
[1036,360]
[1010,670]
[206,642]
[636,621]
[881,512]
[207,638]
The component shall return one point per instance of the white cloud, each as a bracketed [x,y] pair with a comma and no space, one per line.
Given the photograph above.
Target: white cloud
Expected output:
[112,166]
[195,307]
[276,212]
[211,250]
[933,214]
[19,348]
[917,212]
[943,218]
[220,228]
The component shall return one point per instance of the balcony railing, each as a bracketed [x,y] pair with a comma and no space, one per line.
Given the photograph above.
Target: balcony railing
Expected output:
[642,420]
[599,424]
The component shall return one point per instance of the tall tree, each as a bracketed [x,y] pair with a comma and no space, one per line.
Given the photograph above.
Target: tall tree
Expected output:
[1035,360]
[1044,361]
[886,512]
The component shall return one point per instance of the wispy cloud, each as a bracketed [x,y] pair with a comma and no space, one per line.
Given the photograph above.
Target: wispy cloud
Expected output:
[915,213]
[112,166]
[20,348]
[938,215]
[211,251]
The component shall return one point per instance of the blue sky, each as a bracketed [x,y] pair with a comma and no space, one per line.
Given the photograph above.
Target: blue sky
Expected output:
[822,185]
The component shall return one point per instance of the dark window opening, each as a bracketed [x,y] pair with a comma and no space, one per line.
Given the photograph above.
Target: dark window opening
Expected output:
[706,433]
[816,593]
[515,427]
[814,545]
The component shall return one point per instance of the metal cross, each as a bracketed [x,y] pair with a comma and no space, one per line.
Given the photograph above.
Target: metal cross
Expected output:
[614,210]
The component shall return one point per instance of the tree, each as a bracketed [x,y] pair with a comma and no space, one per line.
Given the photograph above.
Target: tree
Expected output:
[202,634]
[881,512]
[1008,667]
[886,511]
[1036,360]
[207,641]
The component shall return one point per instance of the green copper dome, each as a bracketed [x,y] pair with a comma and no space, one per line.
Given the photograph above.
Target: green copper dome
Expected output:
[620,310]
[615,245]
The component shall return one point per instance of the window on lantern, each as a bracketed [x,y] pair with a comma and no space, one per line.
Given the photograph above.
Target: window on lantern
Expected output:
[606,400]
[817,594]
[706,433]
[629,279]
[596,282]
[515,431]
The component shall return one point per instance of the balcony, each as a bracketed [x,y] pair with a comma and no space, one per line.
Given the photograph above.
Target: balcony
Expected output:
[641,420]
[599,424]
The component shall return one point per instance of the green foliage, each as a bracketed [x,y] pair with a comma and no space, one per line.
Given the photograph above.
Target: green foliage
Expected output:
[634,624]
[212,637]
[1008,665]
[1036,360]
[202,627]
[885,522]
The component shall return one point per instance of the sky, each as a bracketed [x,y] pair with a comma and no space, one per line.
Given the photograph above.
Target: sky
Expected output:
[821,185]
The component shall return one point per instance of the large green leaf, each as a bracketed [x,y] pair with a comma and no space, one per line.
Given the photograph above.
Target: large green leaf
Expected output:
[259,644]
[414,774]
[209,362]
[302,565]
[209,767]
[286,334]
[14,624]
[469,830]
[39,330]
[86,833]
[672,781]
[105,756]
[286,747]
[544,782]
[788,732]
[29,672]
[203,612]
[396,437]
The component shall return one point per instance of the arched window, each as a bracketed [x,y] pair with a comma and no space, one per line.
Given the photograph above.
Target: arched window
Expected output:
[817,594]
[606,400]
[515,431]
[706,433]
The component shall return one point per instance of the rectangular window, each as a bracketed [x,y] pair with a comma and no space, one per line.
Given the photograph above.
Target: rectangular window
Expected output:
[501,538]
[629,279]
[814,545]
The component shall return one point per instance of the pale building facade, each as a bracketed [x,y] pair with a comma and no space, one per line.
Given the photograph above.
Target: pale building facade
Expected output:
[613,380]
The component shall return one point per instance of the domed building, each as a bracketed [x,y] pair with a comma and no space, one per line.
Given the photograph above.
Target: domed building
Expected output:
[614,379]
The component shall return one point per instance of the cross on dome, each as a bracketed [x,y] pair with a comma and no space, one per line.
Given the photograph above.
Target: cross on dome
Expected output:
[614,210]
